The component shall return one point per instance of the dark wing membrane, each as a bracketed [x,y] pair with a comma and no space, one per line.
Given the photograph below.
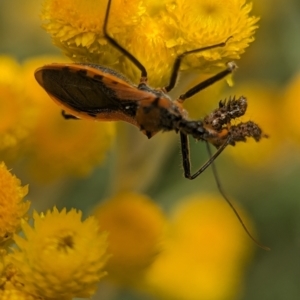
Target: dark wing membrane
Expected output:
[76,90]
[93,90]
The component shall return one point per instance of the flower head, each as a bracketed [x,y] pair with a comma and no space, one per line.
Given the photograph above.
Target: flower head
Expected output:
[154,32]
[135,226]
[204,253]
[61,257]
[12,206]
[195,24]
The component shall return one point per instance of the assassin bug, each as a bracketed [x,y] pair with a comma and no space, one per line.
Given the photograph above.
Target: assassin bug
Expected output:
[90,91]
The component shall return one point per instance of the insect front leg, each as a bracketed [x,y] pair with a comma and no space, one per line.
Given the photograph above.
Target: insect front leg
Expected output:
[68,116]
[186,161]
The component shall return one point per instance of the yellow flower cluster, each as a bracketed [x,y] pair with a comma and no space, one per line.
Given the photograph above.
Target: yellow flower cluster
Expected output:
[155,32]
[199,252]
[60,257]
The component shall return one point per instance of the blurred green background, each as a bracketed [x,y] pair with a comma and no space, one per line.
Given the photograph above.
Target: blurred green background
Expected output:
[268,190]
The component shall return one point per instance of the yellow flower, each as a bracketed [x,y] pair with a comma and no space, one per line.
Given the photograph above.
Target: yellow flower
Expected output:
[135,225]
[62,257]
[12,207]
[210,22]
[59,147]
[15,111]
[154,32]
[204,255]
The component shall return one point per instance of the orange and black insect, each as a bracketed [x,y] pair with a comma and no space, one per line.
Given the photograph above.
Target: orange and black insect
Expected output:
[90,91]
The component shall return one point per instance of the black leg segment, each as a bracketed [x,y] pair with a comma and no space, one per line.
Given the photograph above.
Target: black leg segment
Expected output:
[231,66]
[177,63]
[120,48]
[186,161]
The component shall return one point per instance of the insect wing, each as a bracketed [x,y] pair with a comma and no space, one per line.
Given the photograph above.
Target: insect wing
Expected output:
[88,91]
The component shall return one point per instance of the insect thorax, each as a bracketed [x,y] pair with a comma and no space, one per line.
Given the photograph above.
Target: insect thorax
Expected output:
[158,112]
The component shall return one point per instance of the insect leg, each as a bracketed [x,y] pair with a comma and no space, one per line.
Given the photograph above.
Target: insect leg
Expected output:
[68,116]
[231,66]
[120,48]
[177,63]
[186,162]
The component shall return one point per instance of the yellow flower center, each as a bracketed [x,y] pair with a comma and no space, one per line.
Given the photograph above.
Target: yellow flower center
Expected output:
[65,243]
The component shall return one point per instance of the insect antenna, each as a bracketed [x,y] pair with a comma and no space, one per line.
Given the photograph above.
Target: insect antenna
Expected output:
[220,188]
